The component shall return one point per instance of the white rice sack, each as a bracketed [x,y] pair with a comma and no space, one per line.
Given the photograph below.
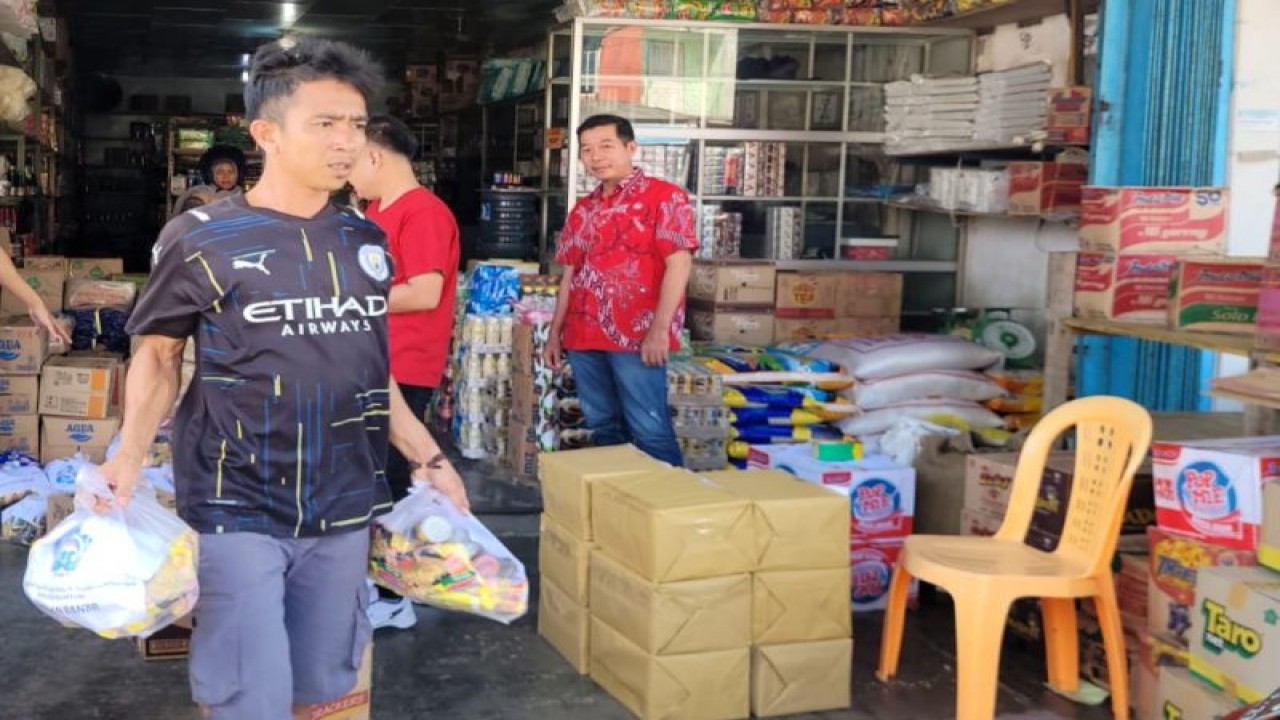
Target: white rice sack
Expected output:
[949,384]
[889,355]
[881,420]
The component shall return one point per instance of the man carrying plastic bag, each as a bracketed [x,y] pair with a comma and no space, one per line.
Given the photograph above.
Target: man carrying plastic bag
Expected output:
[122,572]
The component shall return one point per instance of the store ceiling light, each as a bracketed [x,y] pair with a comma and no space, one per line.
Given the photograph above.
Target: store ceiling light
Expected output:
[288,13]
[244,60]
[244,76]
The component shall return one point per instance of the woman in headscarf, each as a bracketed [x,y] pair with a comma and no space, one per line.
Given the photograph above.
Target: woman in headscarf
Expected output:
[223,167]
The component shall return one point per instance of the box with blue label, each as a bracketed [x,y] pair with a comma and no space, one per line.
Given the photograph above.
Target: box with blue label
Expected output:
[20,432]
[23,346]
[63,437]
[19,394]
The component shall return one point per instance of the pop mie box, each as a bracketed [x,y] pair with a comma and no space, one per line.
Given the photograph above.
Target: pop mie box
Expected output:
[871,567]
[1154,220]
[1215,295]
[1129,288]
[1212,489]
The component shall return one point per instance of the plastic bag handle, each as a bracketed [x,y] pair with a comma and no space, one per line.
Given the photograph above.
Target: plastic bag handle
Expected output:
[91,486]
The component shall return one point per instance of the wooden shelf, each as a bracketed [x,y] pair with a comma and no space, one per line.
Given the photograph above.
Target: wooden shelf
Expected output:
[1230,344]
[1018,11]
[1031,148]
[1063,217]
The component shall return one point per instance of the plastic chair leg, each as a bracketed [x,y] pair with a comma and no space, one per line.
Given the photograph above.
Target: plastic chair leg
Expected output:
[1062,643]
[894,619]
[1113,641]
[980,621]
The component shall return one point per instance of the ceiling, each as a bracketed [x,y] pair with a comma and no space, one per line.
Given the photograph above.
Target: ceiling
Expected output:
[207,38]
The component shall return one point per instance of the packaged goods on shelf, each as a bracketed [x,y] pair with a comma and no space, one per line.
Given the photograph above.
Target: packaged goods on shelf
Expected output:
[1268,317]
[1013,104]
[1047,188]
[719,233]
[969,189]
[1070,111]
[1216,295]
[1128,288]
[481,373]
[924,111]
[1212,489]
[1235,637]
[784,233]
[1174,221]
[1176,561]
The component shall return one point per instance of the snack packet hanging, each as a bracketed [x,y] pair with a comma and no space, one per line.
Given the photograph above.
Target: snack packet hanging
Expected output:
[126,572]
[429,552]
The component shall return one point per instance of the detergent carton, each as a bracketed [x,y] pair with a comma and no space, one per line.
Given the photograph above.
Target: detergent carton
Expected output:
[1212,489]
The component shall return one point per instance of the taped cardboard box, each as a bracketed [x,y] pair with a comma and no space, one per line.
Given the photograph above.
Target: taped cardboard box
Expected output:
[563,559]
[860,327]
[1212,489]
[676,618]
[1176,561]
[21,433]
[1216,295]
[63,437]
[355,705]
[800,606]
[806,296]
[172,642]
[1154,220]
[1183,696]
[94,268]
[869,295]
[45,262]
[567,478]
[1235,633]
[565,625]
[1269,544]
[23,346]
[19,394]
[1040,188]
[703,686]
[79,386]
[1127,288]
[801,677]
[798,526]
[731,326]
[670,526]
[1268,317]
[48,284]
[733,282]
[794,329]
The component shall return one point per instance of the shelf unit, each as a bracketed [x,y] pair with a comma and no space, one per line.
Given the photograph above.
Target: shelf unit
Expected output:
[678,83]
[180,161]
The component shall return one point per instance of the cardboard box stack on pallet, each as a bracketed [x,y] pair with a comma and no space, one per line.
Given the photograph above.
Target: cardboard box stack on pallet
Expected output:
[695,596]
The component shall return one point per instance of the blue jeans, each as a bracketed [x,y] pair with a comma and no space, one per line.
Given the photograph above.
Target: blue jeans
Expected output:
[625,401]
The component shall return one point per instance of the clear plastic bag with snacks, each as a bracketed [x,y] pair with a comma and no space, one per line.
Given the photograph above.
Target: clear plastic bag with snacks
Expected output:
[429,552]
[125,572]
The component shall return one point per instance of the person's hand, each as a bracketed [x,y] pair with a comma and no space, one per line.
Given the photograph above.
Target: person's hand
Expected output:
[656,348]
[41,316]
[445,479]
[122,474]
[553,352]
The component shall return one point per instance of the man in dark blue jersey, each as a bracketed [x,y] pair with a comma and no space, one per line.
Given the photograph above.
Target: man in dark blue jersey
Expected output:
[281,441]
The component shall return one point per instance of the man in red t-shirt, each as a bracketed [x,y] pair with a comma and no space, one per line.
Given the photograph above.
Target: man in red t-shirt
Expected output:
[422,237]
[626,251]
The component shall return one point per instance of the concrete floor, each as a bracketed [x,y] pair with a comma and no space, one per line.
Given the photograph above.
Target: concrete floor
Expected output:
[455,666]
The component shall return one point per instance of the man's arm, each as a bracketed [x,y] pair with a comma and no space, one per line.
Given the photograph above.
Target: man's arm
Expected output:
[151,388]
[553,353]
[421,292]
[415,443]
[657,343]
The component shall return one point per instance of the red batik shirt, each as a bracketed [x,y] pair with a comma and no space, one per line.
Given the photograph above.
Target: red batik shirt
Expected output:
[618,246]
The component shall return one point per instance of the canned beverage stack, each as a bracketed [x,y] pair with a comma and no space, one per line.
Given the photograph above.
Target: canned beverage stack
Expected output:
[482,386]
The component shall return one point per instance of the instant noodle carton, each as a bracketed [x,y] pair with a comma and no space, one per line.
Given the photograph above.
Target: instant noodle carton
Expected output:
[1212,489]
[1215,295]
[1128,288]
[1154,220]
[1235,631]
[1267,319]
[1176,561]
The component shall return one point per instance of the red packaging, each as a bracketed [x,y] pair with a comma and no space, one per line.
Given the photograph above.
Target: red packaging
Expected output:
[1128,288]
[1037,188]
[1268,316]
[870,569]
[1154,220]
[1069,115]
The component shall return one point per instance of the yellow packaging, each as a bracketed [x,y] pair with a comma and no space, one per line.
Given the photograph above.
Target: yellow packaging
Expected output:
[563,559]
[798,526]
[703,686]
[1183,697]
[800,606]
[675,618]
[567,478]
[801,677]
[1235,631]
[565,625]
[672,526]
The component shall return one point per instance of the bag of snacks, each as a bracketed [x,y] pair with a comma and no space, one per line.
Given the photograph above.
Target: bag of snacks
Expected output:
[125,572]
[429,552]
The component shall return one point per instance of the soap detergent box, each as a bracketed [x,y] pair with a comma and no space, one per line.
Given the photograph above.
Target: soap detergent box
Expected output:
[1212,489]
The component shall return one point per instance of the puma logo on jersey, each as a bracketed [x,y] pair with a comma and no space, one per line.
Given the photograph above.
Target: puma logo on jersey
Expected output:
[253,261]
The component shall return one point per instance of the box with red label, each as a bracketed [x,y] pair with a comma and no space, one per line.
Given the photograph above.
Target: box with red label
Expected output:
[1268,316]
[1041,188]
[870,569]
[1176,560]
[1154,220]
[1212,489]
[1070,110]
[1129,288]
[1216,295]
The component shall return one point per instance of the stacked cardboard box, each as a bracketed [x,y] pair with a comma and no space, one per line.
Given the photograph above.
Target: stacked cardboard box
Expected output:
[532,427]
[80,399]
[732,302]
[23,348]
[805,305]
[1268,318]
[868,304]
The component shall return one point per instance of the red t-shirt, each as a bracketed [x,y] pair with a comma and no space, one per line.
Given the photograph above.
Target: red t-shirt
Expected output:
[422,237]
[618,247]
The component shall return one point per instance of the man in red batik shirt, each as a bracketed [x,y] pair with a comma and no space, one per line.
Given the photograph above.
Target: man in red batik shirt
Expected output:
[422,237]
[626,251]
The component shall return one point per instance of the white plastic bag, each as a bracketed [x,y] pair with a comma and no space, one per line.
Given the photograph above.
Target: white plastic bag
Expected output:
[950,384]
[20,476]
[429,552]
[126,572]
[63,473]
[23,522]
[880,357]
[973,415]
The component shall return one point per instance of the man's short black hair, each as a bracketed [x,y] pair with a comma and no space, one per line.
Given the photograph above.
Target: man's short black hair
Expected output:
[393,134]
[279,67]
[626,133]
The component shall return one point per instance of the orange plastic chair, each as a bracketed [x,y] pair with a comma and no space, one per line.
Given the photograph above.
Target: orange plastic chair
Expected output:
[985,575]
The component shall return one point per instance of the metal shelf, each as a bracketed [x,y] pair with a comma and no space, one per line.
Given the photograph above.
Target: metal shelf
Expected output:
[899,266]
[1018,11]
[1032,148]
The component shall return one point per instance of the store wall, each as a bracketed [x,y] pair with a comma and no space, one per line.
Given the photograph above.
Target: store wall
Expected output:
[207,95]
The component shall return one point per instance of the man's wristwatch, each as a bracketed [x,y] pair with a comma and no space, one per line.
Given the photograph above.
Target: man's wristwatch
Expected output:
[436,462]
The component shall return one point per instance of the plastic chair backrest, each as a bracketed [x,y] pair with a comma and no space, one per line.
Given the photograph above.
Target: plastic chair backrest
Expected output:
[1113,436]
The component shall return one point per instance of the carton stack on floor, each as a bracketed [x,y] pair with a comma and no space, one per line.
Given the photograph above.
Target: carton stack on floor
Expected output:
[731,302]
[660,583]
[23,349]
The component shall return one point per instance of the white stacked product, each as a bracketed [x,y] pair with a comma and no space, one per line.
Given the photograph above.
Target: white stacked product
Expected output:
[982,190]
[925,112]
[1013,105]
[784,233]
[483,386]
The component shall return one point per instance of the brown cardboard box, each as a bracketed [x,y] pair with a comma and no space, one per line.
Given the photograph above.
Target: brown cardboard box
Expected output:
[1182,696]
[800,606]
[23,346]
[1070,111]
[355,705]
[869,294]
[1154,220]
[704,686]
[798,526]
[172,642]
[733,282]
[676,618]
[1269,542]
[48,285]
[19,394]
[94,268]
[1235,632]
[1039,188]
[809,296]
[63,437]
[522,450]
[564,559]
[1216,295]
[731,327]
[1128,288]
[567,478]
[786,330]
[669,526]
[79,386]
[21,433]
[564,624]
[801,677]
[45,262]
